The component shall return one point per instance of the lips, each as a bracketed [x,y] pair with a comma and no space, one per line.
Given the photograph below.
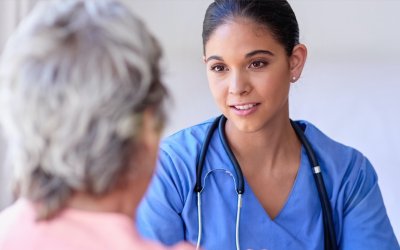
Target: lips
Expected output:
[245,106]
[244,109]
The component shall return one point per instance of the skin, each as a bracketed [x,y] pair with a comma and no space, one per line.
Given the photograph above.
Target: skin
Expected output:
[246,65]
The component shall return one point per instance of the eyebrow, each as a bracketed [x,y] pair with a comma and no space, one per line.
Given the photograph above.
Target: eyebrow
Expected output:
[255,52]
[214,58]
[250,54]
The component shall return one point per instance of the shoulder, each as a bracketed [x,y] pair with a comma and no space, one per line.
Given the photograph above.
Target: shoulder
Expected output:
[187,137]
[16,220]
[157,246]
[7,219]
[21,209]
[176,165]
[183,147]
[183,246]
[335,155]
[346,171]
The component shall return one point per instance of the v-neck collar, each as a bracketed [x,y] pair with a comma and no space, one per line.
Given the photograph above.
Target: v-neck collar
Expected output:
[292,197]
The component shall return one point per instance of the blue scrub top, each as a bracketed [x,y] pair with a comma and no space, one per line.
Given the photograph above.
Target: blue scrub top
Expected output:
[168,213]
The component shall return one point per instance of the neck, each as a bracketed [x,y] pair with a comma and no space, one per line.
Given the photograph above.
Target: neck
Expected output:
[272,147]
[117,201]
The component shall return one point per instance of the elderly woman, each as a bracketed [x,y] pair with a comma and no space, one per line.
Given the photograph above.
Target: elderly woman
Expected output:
[81,106]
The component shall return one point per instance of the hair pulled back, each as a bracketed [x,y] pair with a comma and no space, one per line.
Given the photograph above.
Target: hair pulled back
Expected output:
[276,15]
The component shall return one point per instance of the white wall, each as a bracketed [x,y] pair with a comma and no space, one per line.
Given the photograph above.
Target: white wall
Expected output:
[11,12]
[350,87]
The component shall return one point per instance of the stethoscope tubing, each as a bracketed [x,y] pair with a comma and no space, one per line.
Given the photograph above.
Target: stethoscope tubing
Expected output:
[231,155]
[202,156]
[329,229]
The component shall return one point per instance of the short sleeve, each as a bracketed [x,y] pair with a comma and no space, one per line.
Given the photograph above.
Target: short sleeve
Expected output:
[366,224]
[158,216]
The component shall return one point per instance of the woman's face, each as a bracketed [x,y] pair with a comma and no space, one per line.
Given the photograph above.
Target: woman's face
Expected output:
[249,74]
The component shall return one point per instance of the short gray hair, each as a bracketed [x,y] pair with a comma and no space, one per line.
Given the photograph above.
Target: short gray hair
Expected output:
[75,77]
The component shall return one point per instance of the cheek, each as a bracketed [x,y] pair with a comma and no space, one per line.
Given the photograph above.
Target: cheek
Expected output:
[153,151]
[272,88]
[279,90]
[217,89]
[278,81]
[147,153]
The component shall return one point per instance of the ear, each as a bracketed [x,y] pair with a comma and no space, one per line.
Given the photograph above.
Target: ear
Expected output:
[149,133]
[297,61]
[145,148]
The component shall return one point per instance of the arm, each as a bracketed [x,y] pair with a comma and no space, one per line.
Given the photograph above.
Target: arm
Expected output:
[158,216]
[366,224]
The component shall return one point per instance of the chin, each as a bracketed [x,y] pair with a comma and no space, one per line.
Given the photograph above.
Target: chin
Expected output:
[252,123]
[245,125]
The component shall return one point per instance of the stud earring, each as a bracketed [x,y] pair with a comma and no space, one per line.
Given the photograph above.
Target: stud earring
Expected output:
[293,78]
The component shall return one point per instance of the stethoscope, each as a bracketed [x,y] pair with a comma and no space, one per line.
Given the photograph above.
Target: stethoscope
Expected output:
[329,230]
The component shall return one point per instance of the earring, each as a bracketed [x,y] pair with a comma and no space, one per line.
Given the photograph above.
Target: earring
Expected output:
[293,78]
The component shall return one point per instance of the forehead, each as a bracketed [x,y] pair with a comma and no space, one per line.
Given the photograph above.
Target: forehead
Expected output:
[241,35]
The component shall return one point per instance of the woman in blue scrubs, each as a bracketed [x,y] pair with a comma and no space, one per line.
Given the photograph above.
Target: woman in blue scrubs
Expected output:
[253,55]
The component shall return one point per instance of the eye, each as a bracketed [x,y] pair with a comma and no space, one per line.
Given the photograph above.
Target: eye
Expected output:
[257,64]
[218,68]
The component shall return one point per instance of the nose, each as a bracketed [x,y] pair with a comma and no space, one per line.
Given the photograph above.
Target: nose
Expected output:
[239,84]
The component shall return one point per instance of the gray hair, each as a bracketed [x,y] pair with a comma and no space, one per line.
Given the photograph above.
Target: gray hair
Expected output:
[75,77]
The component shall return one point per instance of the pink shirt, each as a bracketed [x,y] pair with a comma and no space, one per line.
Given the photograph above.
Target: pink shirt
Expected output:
[71,229]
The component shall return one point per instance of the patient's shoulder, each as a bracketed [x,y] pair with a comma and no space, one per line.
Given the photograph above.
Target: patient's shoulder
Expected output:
[183,246]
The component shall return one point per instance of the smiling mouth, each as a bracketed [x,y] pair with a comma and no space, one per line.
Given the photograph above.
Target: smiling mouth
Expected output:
[245,106]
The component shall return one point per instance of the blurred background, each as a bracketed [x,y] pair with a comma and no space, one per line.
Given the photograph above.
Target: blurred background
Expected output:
[350,87]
